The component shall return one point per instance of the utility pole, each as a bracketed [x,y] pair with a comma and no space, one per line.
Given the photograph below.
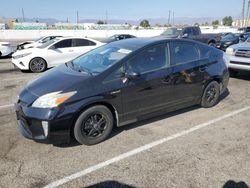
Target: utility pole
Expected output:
[77,17]
[169,15]
[106,17]
[23,15]
[173,17]
[243,13]
[247,14]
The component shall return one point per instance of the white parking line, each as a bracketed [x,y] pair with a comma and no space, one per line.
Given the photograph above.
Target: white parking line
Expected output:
[6,106]
[139,150]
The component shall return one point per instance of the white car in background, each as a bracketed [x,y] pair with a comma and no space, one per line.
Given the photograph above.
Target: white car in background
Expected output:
[52,53]
[239,57]
[5,49]
[36,43]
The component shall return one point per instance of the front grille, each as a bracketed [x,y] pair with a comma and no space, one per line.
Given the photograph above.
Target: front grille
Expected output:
[242,53]
[239,63]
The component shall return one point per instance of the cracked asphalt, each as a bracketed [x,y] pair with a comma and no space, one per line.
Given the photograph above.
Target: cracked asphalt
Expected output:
[215,156]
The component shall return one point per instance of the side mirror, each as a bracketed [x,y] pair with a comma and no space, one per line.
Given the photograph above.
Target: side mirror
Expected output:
[185,35]
[132,75]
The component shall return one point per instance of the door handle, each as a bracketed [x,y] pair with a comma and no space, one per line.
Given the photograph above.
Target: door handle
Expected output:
[71,50]
[203,69]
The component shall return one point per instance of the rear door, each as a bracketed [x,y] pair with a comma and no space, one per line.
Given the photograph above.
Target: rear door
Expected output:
[60,52]
[186,76]
[82,46]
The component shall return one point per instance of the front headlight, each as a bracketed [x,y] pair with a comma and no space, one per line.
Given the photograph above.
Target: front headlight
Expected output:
[51,100]
[227,43]
[20,56]
[230,51]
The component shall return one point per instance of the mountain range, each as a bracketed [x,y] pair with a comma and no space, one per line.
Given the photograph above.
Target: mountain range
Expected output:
[152,21]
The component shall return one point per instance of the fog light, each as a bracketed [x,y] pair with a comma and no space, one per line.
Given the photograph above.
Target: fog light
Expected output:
[45,127]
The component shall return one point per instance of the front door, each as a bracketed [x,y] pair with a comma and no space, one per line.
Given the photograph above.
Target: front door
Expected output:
[150,91]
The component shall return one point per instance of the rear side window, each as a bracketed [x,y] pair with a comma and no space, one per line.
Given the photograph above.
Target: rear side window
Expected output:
[205,51]
[83,42]
[184,52]
[64,44]
[149,60]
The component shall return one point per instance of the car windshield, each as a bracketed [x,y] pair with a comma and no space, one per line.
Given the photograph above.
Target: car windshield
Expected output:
[99,59]
[228,37]
[172,31]
[46,44]
[39,39]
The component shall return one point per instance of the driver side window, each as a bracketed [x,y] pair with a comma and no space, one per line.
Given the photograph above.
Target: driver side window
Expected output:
[152,59]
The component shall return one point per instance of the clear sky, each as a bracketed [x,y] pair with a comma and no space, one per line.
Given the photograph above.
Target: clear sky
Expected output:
[119,9]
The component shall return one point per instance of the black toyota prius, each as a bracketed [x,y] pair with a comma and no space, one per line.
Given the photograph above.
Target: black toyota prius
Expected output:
[118,84]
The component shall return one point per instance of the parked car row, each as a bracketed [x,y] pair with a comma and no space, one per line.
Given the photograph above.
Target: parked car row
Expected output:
[52,53]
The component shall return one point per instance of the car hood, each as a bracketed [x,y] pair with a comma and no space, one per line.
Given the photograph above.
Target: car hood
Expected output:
[244,45]
[61,78]
[24,51]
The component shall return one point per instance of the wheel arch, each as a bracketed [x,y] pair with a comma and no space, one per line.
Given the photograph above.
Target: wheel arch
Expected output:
[216,78]
[38,57]
[103,103]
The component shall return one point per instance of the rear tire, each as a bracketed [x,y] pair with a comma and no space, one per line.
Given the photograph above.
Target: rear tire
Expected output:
[211,95]
[38,64]
[93,125]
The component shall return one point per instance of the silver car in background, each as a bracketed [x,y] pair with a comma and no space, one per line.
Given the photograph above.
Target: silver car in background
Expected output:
[239,57]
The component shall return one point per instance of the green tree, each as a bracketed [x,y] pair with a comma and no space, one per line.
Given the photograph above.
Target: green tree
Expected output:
[145,23]
[227,21]
[216,22]
[100,22]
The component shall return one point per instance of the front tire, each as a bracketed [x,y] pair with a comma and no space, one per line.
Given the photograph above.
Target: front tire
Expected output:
[211,95]
[37,65]
[93,125]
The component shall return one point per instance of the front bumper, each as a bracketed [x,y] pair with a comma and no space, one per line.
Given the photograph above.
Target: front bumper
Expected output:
[43,125]
[21,63]
[239,63]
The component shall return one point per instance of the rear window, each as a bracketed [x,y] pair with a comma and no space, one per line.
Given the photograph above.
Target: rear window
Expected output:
[83,42]
[64,44]
[205,51]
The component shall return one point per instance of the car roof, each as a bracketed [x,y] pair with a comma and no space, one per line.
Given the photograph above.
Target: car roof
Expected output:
[64,37]
[137,43]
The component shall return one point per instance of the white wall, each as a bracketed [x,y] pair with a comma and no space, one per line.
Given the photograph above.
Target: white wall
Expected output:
[12,35]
